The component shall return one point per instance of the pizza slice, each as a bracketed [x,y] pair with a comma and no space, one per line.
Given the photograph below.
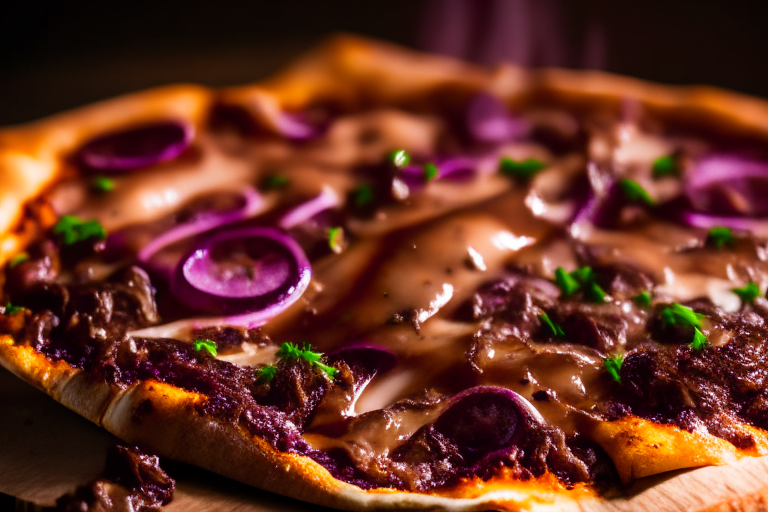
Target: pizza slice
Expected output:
[383,279]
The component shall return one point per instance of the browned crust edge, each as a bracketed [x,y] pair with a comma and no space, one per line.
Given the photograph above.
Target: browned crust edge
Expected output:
[350,70]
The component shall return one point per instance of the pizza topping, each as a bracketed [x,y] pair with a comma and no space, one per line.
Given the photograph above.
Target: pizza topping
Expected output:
[523,170]
[642,299]
[137,147]
[206,345]
[723,184]
[19,258]
[720,237]
[553,329]
[634,193]
[613,366]
[72,230]
[274,182]
[102,184]
[325,200]
[488,120]
[132,481]
[291,352]
[748,293]
[666,165]
[248,204]
[399,158]
[253,272]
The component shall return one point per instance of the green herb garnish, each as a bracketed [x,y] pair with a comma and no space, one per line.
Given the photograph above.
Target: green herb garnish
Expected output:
[554,329]
[720,237]
[267,373]
[274,182]
[748,293]
[362,195]
[291,352]
[524,169]
[207,345]
[336,239]
[635,193]
[677,314]
[19,258]
[399,158]
[430,171]
[613,366]
[73,230]
[583,278]
[665,166]
[102,184]
[699,340]
[642,299]
[595,292]
[566,282]
[11,309]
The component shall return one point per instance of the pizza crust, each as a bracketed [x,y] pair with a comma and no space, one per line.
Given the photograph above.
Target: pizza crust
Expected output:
[351,71]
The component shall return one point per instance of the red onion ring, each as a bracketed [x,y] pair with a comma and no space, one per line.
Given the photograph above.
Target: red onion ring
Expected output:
[251,206]
[326,199]
[138,146]
[723,184]
[757,227]
[280,272]
[489,121]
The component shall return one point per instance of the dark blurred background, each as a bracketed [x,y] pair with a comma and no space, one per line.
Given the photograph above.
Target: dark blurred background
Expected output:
[58,55]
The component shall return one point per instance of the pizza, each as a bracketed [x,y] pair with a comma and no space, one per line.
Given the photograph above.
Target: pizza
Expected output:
[384,279]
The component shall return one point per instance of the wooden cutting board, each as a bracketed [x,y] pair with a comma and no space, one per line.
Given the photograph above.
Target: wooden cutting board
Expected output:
[47,450]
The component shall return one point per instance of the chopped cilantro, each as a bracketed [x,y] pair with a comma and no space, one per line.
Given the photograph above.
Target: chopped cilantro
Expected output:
[665,166]
[584,275]
[613,366]
[566,282]
[430,171]
[522,169]
[362,195]
[292,352]
[19,258]
[748,293]
[207,345]
[73,230]
[336,239]
[267,373]
[554,329]
[595,292]
[102,184]
[635,193]
[399,158]
[642,299]
[581,278]
[11,309]
[720,237]
[699,340]
[274,182]
[677,314]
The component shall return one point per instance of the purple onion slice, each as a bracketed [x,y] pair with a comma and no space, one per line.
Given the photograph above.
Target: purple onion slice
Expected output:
[328,198]
[296,126]
[488,120]
[486,420]
[365,362]
[242,271]
[723,184]
[457,169]
[252,203]
[758,227]
[136,147]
